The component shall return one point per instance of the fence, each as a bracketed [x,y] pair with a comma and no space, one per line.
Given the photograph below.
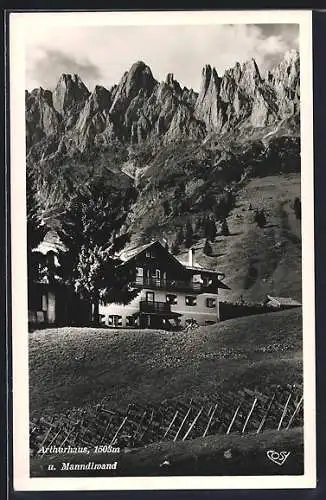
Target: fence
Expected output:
[229,310]
[279,408]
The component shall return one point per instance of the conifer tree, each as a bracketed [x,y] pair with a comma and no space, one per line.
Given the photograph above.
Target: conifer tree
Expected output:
[189,234]
[297,208]
[260,218]
[225,228]
[206,224]
[207,248]
[198,225]
[212,230]
[179,239]
[90,231]
[166,207]
[175,248]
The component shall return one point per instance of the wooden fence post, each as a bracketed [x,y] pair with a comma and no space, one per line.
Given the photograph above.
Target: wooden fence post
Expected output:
[182,423]
[171,423]
[249,415]
[294,413]
[233,419]
[284,411]
[210,420]
[266,414]
[119,429]
[193,423]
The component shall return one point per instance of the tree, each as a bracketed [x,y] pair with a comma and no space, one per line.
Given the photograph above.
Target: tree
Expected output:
[210,231]
[189,234]
[198,225]
[178,200]
[225,228]
[166,207]
[179,239]
[207,248]
[260,218]
[90,231]
[206,225]
[297,208]
[36,229]
[175,248]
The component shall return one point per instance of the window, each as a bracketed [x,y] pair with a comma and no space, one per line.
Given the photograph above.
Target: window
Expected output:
[44,302]
[150,297]
[114,320]
[149,254]
[171,298]
[158,274]
[210,302]
[130,321]
[140,271]
[190,300]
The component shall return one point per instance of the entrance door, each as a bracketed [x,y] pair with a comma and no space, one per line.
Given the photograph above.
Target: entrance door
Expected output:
[150,296]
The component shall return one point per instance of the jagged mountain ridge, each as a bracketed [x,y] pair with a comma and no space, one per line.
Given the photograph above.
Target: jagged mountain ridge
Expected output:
[179,152]
[140,108]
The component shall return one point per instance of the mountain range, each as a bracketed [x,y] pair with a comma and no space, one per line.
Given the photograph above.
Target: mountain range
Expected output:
[180,151]
[140,108]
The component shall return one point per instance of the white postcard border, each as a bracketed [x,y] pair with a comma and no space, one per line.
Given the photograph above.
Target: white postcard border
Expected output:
[20,26]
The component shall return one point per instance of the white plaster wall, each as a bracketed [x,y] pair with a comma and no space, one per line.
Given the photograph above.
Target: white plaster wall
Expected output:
[200,312]
[51,307]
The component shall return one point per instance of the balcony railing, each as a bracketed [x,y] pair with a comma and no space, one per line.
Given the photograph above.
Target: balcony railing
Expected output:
[169,284]
[154,307]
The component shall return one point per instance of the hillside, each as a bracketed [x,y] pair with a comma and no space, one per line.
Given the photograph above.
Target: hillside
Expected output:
[75,366]
[257,261]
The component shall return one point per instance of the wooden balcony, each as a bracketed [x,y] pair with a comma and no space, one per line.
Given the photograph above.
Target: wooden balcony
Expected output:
[154,307]
[169,285]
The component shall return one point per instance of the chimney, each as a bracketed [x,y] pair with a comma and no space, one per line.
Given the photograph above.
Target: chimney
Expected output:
[191,257]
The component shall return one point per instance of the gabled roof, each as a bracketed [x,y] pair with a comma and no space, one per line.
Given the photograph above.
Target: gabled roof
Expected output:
[131,253]
[284,301]
[51,243]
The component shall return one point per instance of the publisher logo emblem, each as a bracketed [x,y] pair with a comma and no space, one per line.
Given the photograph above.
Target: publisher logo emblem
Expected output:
[278,457]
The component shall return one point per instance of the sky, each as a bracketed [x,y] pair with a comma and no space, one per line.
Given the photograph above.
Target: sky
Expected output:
[101,54]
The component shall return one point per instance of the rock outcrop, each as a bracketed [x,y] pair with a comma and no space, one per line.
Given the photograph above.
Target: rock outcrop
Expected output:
[69,92]
[139,108]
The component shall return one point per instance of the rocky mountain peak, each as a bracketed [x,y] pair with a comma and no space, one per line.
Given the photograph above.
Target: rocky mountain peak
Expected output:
[250,75]
[101,97]
[139,108]
[209,77]
[139,77]
[69,90]
[169,79]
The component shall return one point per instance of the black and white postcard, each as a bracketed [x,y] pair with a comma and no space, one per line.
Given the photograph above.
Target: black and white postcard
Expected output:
[162,218]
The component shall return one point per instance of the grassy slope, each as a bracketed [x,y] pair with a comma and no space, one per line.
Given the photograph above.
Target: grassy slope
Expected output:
[259,261]
[73,366]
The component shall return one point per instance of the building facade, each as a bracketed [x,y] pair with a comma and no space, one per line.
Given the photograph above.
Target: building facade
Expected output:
[171,294]
[50,301]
